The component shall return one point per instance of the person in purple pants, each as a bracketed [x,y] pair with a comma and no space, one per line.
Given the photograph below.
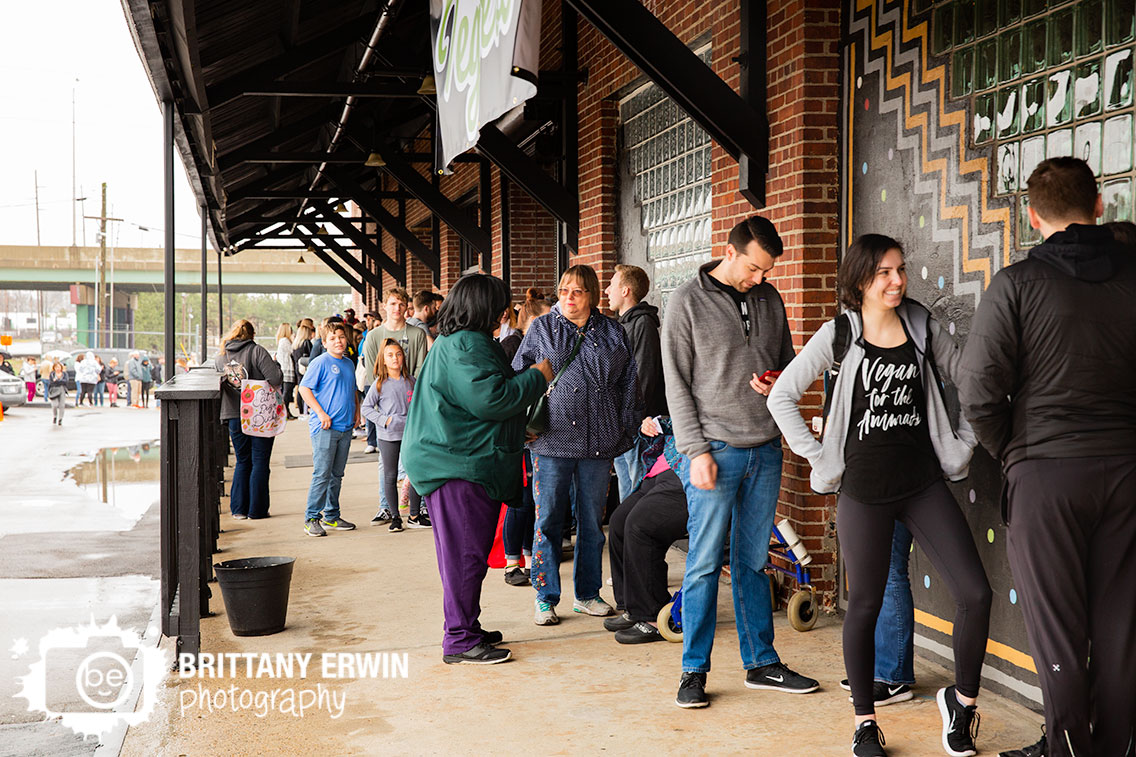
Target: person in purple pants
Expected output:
[462,447]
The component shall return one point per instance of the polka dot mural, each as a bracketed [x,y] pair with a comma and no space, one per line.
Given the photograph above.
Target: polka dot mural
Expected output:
[931,188]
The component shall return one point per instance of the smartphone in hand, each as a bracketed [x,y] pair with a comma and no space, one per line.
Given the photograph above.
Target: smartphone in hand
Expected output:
[764,378]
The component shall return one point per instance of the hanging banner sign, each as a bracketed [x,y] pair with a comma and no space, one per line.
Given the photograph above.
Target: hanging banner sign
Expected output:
[486,57]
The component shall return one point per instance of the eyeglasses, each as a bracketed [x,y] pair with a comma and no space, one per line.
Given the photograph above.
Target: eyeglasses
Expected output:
[572,293]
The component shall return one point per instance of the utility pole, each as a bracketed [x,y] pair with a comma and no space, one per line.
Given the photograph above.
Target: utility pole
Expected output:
[74,195]
[102,296]
[36,174]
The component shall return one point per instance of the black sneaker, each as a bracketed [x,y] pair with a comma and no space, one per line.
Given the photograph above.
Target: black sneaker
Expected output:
[338,524]
[422,521]
[1040,749]
[620,622]
[381,517]
[778,677]
[518,576]
[640,633]
[491,637]
[884,694]
[692,691]
[395,526]
[482,654]
[960,723]
[868,741]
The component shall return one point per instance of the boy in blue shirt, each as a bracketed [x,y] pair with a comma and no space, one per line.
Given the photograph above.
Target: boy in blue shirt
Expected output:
[328,389]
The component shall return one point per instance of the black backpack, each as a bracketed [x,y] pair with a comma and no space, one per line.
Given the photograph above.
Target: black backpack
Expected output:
[841,340]
[840,343]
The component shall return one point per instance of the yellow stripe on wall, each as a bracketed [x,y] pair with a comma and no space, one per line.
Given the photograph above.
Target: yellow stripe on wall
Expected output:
[996,648]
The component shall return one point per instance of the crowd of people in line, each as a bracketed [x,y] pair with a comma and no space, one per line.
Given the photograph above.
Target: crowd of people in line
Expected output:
[95,382]
[478,401]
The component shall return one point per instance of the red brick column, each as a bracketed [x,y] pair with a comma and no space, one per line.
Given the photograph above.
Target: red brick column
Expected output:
[802,196]
[532,244]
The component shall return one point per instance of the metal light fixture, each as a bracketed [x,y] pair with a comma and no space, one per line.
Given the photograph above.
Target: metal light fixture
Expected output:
[374,160]
[322,231]
[340,208]
[428,87]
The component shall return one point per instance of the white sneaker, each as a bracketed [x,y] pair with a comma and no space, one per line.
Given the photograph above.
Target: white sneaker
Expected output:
[545,614]
[596,607]
[369,450]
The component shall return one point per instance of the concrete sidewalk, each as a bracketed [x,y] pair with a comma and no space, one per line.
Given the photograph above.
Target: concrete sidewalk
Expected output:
[570,689]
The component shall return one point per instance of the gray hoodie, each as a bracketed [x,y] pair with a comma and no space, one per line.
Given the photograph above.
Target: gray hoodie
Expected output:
[258,364]
[708,361]
[953,443]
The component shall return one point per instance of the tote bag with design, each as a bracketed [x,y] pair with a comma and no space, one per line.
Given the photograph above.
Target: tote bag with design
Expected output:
[262,409]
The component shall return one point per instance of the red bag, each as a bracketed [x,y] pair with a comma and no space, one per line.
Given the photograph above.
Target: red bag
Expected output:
[497,554]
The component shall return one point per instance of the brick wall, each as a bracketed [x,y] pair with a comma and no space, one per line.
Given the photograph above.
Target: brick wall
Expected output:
[802,189]
[803,61]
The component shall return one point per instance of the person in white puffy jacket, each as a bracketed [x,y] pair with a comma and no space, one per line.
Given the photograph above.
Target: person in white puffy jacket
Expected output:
[86,376]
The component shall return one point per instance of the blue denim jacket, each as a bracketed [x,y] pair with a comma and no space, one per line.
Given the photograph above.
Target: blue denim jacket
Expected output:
[595,410]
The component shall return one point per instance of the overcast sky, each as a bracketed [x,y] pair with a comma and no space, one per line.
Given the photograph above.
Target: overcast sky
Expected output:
[44,49]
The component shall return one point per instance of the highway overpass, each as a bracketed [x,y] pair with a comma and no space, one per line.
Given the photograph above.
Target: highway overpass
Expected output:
[142,270]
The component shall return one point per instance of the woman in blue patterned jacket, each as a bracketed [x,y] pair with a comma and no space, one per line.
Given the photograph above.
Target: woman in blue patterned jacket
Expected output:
[593,413]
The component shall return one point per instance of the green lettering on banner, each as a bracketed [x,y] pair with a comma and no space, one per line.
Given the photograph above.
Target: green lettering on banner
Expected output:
[467,33]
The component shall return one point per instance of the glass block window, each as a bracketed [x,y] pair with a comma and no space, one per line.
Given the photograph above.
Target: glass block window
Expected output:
[669,157]
[1045,78]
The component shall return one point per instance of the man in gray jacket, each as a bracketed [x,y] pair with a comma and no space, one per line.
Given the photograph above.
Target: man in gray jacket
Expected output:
[723,330]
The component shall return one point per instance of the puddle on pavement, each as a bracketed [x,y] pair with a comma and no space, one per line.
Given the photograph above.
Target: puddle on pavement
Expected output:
[124,478]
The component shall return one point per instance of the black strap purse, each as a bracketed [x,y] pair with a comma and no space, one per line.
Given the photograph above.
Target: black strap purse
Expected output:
[537,422]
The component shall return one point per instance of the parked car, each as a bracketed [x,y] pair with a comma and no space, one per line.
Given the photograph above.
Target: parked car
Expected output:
[13,391]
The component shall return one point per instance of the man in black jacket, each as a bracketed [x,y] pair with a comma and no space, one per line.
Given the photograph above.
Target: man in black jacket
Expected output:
[1049,385]
[629,285]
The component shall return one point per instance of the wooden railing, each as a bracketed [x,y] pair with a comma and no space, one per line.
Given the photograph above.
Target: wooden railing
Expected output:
[194,452]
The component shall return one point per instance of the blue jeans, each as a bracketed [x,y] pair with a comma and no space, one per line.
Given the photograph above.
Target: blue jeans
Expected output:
[552,481]
[895,626]
[100,387]
[383,504]
[372,434]
[745,493]
[248,494]
[520,522]
[329,460]
[628,470]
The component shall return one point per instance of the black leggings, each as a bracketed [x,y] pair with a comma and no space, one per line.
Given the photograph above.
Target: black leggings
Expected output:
[389,452]
[939,526]
[146,394]
[642,529]
[289,392]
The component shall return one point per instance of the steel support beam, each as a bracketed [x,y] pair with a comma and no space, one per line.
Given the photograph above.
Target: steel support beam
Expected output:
[268,181]
[204,277]
[485,207]
[333,42]
[340,156]
[520,168]
[752,168]
[338,270]
[330,89]
[305,233]
[569,237]
[725,115]
[327,215]
[438,204]
[279,135]
[430,258]
[168,184]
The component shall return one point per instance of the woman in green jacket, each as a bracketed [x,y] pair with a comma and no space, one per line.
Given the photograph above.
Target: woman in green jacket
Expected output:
[462,452]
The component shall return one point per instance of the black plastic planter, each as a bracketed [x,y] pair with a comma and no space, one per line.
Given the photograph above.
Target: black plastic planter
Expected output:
[256,593]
